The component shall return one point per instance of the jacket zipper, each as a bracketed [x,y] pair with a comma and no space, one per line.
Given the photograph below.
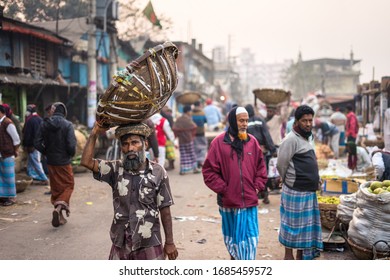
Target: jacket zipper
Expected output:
[242,189]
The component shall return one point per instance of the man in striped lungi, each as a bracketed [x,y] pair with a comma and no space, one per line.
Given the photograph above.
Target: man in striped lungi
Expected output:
[300,227]
[235,170]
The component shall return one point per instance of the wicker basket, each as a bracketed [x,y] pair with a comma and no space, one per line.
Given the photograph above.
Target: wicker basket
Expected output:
[188,97]
[328,214]
[22,182]
[142,89]
[271,96]
[362,253]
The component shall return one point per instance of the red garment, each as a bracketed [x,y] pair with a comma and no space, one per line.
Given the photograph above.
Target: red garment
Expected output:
[352,161]
[352,125]
[236,180]
[161,138]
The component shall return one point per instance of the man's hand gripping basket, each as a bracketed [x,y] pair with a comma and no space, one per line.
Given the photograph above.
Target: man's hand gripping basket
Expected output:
[140,90]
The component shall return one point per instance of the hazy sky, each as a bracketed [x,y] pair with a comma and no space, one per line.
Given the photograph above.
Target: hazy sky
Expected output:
[278,29]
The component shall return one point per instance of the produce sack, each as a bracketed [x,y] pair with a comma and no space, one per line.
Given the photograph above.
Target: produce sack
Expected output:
[346,207]
[371,219]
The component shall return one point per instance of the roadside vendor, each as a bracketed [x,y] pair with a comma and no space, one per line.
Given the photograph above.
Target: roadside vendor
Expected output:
[381,163]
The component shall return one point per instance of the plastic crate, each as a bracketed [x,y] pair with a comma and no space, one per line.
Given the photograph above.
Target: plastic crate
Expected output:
[340,186]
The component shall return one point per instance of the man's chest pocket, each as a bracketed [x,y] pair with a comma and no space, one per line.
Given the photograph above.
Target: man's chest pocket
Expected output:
[147,192]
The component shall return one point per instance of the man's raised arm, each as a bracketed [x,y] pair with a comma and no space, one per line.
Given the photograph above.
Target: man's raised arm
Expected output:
[87,159]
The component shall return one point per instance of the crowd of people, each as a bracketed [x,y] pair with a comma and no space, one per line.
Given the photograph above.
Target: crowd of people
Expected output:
[251,157]
[50,145]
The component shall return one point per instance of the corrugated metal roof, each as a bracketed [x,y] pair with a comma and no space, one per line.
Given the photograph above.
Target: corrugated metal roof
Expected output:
[25,80]
[16,26]
[71,29]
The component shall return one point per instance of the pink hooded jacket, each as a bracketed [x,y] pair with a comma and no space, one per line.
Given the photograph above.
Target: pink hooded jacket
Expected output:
[235,181]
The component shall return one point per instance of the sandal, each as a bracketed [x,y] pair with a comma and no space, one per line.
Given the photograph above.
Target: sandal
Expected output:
[8,202]
[56,219]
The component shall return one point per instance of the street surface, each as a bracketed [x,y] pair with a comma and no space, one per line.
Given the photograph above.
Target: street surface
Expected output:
[26,232]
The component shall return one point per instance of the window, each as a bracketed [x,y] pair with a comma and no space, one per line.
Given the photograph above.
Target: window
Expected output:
[38,56]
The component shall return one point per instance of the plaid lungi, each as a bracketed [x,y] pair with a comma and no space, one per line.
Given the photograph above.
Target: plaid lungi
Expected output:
[7,177]
[240,229]
[187,157]
[300,222]
[200,146]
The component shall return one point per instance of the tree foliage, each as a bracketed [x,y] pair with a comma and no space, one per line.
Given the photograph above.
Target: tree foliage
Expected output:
[132,23]
[45,10]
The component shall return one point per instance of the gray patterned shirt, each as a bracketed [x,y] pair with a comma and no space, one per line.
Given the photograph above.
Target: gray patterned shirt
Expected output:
[137,200]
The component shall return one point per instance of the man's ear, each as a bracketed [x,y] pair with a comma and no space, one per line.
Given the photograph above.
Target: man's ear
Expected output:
[146,144]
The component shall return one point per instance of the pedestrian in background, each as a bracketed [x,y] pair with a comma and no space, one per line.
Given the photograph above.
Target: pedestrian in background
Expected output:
[339,119]
[31,128]
[170,153]
[213,115]
[152,141]
[330,135]
[49,112]
[381,164]
[200,140]
[164,133]
[10,114]
[352,125]
[57,141]
[386,129]
[300,227]
[10,143]
[141,195]
[185,129]
[235,170]
[258,128]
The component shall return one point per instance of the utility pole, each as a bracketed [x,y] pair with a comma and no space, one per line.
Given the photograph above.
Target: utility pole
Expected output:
[91,99]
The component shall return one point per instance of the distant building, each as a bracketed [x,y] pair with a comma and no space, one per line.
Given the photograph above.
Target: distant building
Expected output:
[260,75]
[330,76]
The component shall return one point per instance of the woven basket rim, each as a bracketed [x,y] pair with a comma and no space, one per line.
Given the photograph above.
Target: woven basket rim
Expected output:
[188,97]
[327,206]
[271,96]
[363,250]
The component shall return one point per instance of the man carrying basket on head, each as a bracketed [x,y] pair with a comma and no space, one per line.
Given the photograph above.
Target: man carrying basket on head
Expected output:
[141,195]
[140,187]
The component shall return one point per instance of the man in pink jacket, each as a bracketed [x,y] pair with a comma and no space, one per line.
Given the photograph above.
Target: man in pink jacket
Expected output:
[236,171]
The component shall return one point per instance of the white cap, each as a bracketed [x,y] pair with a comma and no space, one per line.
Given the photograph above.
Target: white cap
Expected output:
[241,110]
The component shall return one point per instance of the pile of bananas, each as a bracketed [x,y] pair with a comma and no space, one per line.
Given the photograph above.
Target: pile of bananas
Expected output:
[330,176]
[328,199]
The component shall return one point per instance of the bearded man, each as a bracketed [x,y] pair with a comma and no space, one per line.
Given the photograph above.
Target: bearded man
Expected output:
[235,170]
[141,195]
[300,220]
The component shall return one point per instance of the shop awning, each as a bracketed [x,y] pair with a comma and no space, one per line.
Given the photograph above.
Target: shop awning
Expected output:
[25,80]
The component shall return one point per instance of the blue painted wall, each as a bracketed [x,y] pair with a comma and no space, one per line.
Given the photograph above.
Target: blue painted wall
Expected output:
[5,49]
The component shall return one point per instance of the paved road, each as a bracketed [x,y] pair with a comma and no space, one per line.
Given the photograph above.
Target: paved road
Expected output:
[26,231]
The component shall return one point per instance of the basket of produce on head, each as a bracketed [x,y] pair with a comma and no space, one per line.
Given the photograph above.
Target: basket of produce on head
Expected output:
[140,90]
[271,96]
[188,97]
[328,210]
[22,182]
